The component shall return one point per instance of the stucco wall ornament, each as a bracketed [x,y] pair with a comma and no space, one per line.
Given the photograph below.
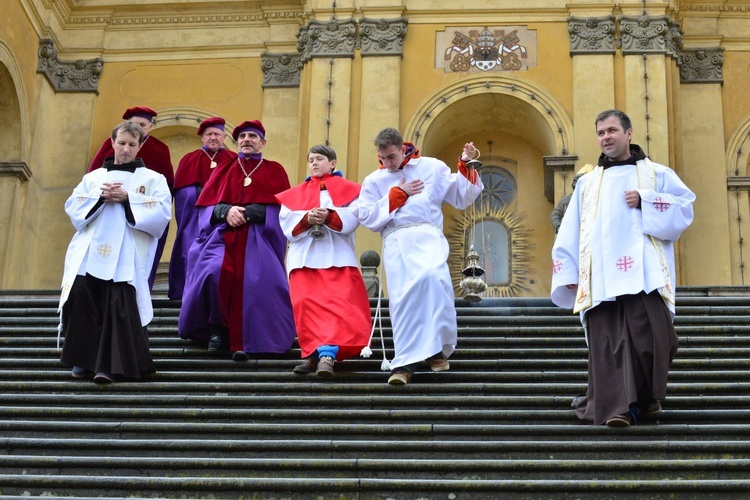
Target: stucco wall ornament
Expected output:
[592,35]
[674,39]
[644,34]
[497,48]
[332,38]
[701,65]
[68,76]
[382,37]
[281,70]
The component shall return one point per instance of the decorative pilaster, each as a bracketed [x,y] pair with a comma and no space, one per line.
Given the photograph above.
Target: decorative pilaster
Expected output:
[382,37]
[701,65]
[281,70]
[332,38]
[66,76]
[592,35]
[644,34]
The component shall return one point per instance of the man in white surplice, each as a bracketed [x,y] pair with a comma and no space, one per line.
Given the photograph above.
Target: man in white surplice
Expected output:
[119,211]
[402,200]
[613,262]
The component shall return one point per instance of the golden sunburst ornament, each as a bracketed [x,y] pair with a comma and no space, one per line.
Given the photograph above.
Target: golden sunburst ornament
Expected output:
[502,242]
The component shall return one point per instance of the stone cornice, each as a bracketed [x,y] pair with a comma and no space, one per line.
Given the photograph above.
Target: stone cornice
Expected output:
[15,169]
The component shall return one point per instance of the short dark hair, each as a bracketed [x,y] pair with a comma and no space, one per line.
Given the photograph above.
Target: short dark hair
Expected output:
[388,137]
[322,149]
[129,128]
[624,119]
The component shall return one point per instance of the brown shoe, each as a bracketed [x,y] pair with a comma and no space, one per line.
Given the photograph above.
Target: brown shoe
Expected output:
[400,376]
[622,420]
[653,406]
[325,367]
[307,366]
[438,363]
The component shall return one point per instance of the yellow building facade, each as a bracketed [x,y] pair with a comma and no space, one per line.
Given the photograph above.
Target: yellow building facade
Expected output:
[522,80]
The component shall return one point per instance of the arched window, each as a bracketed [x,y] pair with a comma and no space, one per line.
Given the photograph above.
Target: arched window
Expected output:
[499,188]
[491,241]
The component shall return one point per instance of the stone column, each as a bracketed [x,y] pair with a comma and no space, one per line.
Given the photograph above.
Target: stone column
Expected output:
[592,48]
[328,49]
[281,102]
[14,177]
[382,42]
[645,45]
[704,168]
[58,158]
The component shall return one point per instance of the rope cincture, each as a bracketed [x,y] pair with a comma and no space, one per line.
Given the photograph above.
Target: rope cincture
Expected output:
[378,319]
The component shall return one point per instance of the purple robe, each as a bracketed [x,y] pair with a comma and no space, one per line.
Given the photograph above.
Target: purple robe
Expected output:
[266,323]
[186,217]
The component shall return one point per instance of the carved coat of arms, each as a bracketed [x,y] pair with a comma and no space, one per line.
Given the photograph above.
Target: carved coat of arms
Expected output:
[487,50]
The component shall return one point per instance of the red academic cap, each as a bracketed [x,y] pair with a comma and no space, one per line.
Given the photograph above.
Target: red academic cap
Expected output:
[141,111]
[214,121]
[254,125]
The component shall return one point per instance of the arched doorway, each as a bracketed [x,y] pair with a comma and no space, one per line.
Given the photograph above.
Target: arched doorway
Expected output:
[515,126]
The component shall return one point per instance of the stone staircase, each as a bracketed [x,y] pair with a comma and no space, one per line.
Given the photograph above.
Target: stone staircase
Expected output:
[498,425]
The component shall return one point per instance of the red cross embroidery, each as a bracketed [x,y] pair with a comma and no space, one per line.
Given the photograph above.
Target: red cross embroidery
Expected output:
[557,266]
[625,263]
[661,205]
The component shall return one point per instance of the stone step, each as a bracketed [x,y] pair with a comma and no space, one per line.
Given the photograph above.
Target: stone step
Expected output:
[353,487]
[456,469]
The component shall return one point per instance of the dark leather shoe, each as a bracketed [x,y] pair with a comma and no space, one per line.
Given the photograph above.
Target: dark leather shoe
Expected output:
[240,356]
[308,365]
[325,367]
[219,339]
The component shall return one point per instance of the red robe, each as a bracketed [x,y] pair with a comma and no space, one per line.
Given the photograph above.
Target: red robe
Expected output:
[154,153]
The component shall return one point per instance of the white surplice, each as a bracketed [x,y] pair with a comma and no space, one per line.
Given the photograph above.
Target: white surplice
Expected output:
[105,244]
[415,254]
[334,249]
[624,255]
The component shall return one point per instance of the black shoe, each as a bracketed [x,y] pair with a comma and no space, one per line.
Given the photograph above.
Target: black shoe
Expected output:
[240,356]
[219,340]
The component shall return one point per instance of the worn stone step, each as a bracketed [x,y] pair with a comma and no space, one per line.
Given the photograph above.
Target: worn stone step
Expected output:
[373,468]
[365,488]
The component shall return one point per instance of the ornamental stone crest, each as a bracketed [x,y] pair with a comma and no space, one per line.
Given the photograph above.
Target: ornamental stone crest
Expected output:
[644,34]
[592,35]
[382,37]
[701,65]
[281,70]
[327,39]
[68,76]
[501,48]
